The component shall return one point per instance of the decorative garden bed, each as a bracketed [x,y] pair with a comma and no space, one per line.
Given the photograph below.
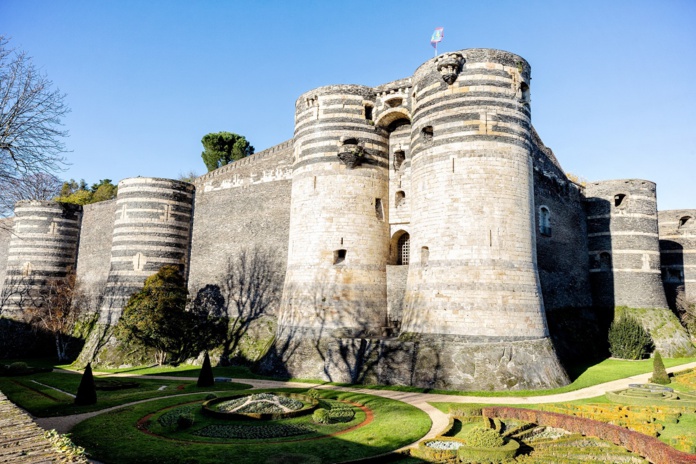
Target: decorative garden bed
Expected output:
[263,406]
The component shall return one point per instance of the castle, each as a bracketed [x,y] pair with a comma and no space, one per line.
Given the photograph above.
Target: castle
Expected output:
[425,228]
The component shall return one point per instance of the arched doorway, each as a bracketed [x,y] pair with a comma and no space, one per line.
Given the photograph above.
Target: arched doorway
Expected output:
[403,249]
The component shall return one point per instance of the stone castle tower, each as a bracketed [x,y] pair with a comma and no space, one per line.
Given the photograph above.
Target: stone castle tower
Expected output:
[420,231]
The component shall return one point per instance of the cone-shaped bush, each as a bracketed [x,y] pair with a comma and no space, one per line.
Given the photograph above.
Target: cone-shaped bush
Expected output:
[659,372]
[87,391]
[205,378]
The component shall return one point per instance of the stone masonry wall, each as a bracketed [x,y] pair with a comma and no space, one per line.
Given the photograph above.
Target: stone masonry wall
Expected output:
[94,252]
[43,246]
[152,228]
[623,244]
[246,206]
[678,252]
[562,257]
[339,224]
[6,225]
[473,266]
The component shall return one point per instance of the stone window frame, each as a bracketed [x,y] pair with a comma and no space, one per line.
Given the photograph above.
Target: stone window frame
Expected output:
[339,256]
[545,228]
[621,200]
[686,222]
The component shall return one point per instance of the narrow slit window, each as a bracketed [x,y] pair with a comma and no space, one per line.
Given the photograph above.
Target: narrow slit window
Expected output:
[339,256]
[524,89]
[368,112]
[544,221]
[399,158]
[400,198]
[379,210]
[425,256]
[428,133]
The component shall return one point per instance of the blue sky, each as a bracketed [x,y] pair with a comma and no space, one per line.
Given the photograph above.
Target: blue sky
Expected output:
[613,88]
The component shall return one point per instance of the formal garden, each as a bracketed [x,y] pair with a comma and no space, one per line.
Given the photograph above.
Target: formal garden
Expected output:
[168,417]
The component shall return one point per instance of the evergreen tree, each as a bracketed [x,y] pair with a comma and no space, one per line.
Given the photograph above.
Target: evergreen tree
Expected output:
[87,391]
[222,148]
[628,339]
[659,372]
[205,378]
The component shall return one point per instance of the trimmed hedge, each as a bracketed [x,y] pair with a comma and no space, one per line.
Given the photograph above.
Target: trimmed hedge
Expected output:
[494,454]
[425,452]
[651,448]
[671,400]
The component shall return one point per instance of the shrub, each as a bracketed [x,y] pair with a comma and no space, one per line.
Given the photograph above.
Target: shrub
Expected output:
[184,421]
[321,416]
[480,437]
[628,339]
[659,372]
[18,368]
[205,378]
[87,390]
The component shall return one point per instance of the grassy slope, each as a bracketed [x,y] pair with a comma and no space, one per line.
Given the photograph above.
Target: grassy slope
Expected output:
[42,401]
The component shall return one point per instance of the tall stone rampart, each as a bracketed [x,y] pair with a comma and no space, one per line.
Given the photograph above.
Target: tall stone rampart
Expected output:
[561,233]
[152,228]
[339,228]
[43,246]
[242,206]
[677,230]
[94,252]
[623,244]
[473,269]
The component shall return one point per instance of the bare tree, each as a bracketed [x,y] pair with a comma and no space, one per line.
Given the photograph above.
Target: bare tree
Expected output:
[31,113]
[56,311]
[251,287]
[686,310]
[32,186]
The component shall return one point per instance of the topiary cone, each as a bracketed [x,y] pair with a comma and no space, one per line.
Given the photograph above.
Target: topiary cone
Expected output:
[659,372]
[205,378]
[87,391]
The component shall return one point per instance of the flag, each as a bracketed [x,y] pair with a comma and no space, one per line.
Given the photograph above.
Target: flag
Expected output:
[437,36]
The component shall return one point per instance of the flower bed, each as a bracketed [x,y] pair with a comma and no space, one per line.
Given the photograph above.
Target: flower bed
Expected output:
[264,406]
[253,432]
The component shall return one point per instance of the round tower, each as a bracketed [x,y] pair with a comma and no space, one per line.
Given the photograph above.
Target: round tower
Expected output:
[473,259]
[623,244]
[678,252]
[339,229]
[43,246]
[152,228]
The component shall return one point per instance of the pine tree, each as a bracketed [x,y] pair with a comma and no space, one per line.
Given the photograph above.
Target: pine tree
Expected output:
[87,391]
[205,378]
[659,372]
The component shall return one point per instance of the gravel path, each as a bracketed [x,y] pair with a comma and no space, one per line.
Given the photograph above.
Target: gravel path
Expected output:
[420,400]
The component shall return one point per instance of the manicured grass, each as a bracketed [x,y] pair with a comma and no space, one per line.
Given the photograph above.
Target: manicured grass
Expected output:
[248,427]
[183,371]
[395,424]
[43,401]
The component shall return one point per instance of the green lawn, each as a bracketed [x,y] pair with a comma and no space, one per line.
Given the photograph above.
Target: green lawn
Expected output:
[34,392]
[395,424]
